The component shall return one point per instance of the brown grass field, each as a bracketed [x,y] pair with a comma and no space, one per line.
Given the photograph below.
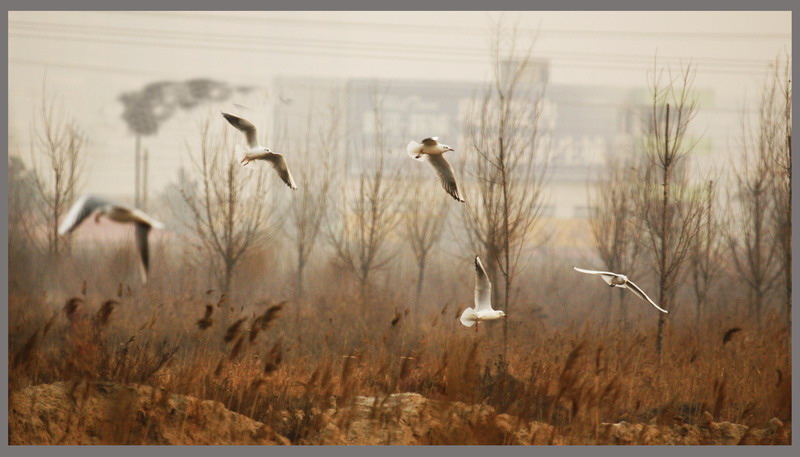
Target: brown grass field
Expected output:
[325,373]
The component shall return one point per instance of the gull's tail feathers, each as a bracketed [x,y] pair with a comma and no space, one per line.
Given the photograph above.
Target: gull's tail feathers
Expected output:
[241,155]
[143,273]
[413,149]
[469,317]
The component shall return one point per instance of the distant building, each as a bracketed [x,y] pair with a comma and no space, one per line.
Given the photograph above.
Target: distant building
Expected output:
[581,124]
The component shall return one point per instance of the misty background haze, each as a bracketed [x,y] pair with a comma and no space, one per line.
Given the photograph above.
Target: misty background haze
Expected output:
[153,78]
[89,59]
[652,144]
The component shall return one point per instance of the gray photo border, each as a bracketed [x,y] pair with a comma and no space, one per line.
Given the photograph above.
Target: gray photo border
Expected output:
[364,5]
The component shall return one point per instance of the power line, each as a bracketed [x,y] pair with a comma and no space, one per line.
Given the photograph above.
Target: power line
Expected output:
[266,48]
[83,67]
[239,38]
[449,29]
[345,45]
[278,50]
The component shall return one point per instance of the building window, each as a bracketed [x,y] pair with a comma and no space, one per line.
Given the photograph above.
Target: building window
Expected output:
[582,212]
[547,211]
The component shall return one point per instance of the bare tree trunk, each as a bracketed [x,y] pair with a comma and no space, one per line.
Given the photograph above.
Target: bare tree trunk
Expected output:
[59,145]
[757,238]
[615,239]
[662,280]
[301,268]
[228,279]
[509,166]
[229,214]
[310,208]
[781,163]
[670,219]
[420,281]
[360,238]
[787,217]
[423,221]
[506,241]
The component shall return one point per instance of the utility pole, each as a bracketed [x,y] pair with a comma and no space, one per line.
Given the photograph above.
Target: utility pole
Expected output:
[145,173]
[137,164]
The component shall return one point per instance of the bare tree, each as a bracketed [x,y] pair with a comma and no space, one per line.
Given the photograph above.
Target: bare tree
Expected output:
[172,197]
[309,208]
[752,235]
[670,209]
[508,164]
[778,101]
[22,201]
[229,208]
[705,256]
[57,158]
[368,212]
[423,221]
[616,239]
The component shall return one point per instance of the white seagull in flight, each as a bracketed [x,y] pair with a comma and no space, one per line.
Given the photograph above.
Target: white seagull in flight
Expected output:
[618,280]
[434,151]
[483,300]
[89,204]
[258,152]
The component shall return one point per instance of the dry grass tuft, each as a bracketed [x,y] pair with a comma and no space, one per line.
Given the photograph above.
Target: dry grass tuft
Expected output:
[206,321]
[306,377]
[729,334]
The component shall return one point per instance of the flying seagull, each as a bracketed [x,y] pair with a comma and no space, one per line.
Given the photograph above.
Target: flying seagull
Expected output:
[88,204]
[434,151]
[618,280]
[483,300]
[258,152]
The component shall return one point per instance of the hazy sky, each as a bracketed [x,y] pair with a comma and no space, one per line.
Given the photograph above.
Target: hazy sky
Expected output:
[89,58]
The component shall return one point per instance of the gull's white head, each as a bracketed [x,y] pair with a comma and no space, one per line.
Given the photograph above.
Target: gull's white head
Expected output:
[447,148]
[492,315]
[263,149]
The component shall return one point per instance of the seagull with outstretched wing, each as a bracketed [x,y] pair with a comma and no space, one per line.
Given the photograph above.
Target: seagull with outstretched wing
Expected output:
[89,204]
[620,280]
[431,150]
[257,152]
[483,299]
